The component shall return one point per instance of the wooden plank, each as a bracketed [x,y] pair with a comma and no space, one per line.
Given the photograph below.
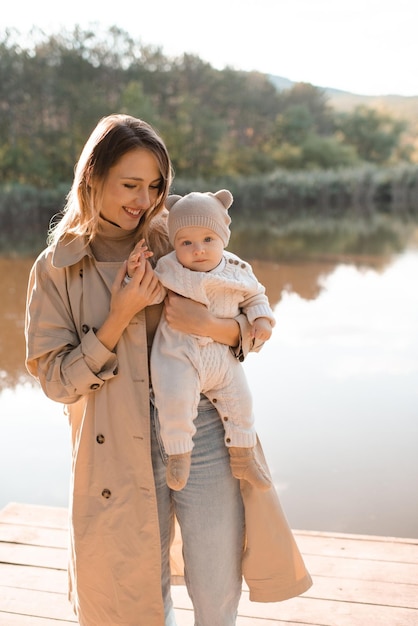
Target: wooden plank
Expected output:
[362,570]
[385,594]
[35,578]
[355,569]
[366,592]
[11,619]
[37,603]
[34,535]
[371,592]
[378,548]
[328,613]
[317,611]
[381,538]
[33,515]
[184,618]
[254,621]
[358,580]
[37,556]
[183,603]
[310,542]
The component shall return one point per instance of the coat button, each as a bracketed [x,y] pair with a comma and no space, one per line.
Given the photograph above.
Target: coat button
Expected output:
[243,265]
[225,419]
[100,438]
[214,400]
[106,493]
[81,273]
[85,328]
[94,386]
[228,440]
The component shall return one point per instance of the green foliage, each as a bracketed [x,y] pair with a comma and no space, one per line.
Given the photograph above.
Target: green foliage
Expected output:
[316,152]
[25,214]
[375,136]
[294,124]
[314,101]
[267,203]
[323,237]
[54,88]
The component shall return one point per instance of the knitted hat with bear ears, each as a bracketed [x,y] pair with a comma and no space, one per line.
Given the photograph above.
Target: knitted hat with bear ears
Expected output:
[207,210]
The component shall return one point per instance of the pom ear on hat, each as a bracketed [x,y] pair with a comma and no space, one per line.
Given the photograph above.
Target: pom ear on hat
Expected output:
[207,210]
[225,197]
[171,200]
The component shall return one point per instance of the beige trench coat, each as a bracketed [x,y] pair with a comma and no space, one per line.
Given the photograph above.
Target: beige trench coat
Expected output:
[115,560]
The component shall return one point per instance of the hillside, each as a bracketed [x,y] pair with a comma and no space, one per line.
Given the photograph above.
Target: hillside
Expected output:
[404,107]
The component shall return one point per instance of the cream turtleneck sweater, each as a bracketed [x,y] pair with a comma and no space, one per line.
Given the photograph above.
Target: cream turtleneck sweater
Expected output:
[112,243]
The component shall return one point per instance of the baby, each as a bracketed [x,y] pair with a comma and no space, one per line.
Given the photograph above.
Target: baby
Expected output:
[184,366]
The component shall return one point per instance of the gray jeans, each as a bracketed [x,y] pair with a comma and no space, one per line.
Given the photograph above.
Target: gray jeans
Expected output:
[211,517]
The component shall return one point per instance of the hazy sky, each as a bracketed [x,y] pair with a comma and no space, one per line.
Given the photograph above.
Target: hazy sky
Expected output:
[363,46]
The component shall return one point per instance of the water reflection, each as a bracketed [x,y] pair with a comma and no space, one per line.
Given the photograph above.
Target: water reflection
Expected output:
[304,278]
[336,401]
[14,274]
[335,395]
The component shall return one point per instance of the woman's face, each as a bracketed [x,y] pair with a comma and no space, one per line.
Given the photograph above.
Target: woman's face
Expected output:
[131,188]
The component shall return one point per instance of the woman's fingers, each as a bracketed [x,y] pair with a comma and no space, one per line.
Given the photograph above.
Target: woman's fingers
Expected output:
[118,282]
[184,314]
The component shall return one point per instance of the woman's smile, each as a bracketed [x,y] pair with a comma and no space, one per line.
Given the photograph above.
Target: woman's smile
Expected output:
[131,188]
[134,212]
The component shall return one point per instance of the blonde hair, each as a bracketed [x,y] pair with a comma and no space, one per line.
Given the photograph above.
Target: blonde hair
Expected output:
[114,136]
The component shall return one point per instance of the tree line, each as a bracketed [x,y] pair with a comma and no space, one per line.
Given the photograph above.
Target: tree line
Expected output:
[216,123]
[267,203]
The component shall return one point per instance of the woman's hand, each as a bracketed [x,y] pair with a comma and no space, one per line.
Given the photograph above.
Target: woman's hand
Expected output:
[127,300]
[188,316]
[130,298]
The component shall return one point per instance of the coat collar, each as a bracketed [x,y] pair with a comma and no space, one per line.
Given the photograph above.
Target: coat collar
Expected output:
[69,251]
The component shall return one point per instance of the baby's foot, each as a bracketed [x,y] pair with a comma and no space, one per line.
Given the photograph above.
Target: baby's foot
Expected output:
[245,466]
[178,470]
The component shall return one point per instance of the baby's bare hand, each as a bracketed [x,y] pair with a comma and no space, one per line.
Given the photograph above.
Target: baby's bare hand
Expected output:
[139,253]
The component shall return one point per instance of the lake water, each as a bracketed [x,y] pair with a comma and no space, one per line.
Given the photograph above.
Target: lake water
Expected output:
[335,392]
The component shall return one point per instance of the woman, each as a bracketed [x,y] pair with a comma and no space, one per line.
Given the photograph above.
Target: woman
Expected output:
[88,341]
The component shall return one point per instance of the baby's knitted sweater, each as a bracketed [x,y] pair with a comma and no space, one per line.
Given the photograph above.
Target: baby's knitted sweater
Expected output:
[227,290]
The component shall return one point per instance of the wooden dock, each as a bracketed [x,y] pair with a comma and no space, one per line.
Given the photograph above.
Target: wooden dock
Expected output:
[358,580]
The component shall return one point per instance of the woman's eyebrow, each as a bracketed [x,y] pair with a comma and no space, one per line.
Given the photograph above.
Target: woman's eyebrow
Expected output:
[156,180]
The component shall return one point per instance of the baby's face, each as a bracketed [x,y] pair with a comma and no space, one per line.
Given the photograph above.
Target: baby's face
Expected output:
[198,249]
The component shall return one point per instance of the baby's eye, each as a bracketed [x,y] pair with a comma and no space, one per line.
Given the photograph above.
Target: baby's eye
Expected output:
[208,239]
[186,243]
